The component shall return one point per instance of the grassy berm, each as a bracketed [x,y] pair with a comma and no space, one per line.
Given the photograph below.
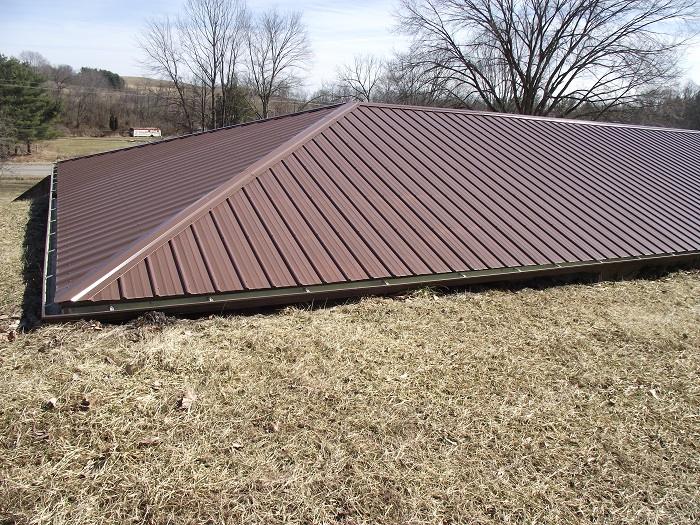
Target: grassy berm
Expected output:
[552,405]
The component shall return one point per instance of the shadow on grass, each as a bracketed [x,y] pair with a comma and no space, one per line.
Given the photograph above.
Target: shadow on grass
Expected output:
[33,261]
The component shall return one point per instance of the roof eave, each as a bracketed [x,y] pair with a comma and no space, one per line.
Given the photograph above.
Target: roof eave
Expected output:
[278,296]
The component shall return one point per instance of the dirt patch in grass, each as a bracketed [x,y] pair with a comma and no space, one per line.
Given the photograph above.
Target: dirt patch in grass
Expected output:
[569,404]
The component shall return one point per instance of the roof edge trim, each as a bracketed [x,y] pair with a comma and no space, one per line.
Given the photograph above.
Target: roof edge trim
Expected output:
[272,297]
[171,227]
[525,117]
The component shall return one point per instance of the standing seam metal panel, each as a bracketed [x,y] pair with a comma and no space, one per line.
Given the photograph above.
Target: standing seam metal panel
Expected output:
[390,192]
[109,200]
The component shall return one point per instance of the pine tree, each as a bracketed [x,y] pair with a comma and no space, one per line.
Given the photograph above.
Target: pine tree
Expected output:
[25,103]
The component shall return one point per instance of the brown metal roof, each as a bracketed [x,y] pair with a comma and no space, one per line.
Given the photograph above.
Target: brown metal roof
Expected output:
[361,192]
[109,200]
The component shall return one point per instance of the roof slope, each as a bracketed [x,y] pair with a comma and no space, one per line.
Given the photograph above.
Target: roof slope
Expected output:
[376,191]
[111,199]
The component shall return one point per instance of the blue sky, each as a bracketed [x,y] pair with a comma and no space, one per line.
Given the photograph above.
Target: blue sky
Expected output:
[102,33]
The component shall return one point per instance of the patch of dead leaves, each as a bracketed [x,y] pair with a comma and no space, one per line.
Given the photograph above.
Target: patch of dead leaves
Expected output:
[187,399]
[131,368]
[50,403]
[11,332]
[87,403]
[150,441]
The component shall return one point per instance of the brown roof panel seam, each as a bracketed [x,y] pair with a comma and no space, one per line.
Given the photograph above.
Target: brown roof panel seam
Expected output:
[227,249]
[476,209]
[325,228]
[494,203]
[513,196]
[359,247]
[392,239]
[323,271]
[382,251]
[253,274]
[276,271]
[370,192]
[611,182]
[545,182]
[510,184]
[420,217]
[428,185]
[290,252]
[495,114]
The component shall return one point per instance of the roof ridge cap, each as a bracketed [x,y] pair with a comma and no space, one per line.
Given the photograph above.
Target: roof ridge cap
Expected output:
[143,245]
[198,133]
[409,107]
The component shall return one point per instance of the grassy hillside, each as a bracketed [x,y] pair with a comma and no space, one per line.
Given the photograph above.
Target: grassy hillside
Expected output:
[145,82]
[569,404]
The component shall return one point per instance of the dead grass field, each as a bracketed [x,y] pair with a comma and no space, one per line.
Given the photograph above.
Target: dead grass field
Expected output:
[561,405]
[68,147]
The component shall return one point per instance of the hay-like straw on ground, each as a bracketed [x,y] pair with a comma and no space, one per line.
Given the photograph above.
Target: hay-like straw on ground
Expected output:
[570,404]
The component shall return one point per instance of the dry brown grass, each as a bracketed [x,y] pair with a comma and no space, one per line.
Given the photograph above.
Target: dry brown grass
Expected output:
[571,404]
[68,147]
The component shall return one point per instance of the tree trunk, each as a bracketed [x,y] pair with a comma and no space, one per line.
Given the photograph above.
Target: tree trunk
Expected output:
[265,103]
[213,105]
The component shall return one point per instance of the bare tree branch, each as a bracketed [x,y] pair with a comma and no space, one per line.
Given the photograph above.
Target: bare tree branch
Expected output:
[362,77]
[547,56]
[278,50]
[165,60]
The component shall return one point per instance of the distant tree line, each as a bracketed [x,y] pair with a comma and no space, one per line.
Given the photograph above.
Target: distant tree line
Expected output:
[88,101]
[370,79]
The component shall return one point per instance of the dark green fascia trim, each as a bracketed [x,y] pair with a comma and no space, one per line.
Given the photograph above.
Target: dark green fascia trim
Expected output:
[48,285]
[240,300]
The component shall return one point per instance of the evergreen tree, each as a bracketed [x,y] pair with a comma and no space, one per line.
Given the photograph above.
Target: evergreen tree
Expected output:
[29,110]
[110,79]
[7,137]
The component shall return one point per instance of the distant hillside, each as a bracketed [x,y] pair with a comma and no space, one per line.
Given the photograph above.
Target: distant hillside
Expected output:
[145,82]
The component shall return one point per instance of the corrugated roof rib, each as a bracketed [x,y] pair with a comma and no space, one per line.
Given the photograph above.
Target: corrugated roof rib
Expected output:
[362,192]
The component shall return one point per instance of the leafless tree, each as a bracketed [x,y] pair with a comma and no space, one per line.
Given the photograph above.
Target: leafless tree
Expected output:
[547,57]
[408,81]
[232,60]
[363,77]
[205,28]
[86,97]
[278,50]
[329,93]
[674,106]
[201,54]
[36,61]
[59,76]
[165,59]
